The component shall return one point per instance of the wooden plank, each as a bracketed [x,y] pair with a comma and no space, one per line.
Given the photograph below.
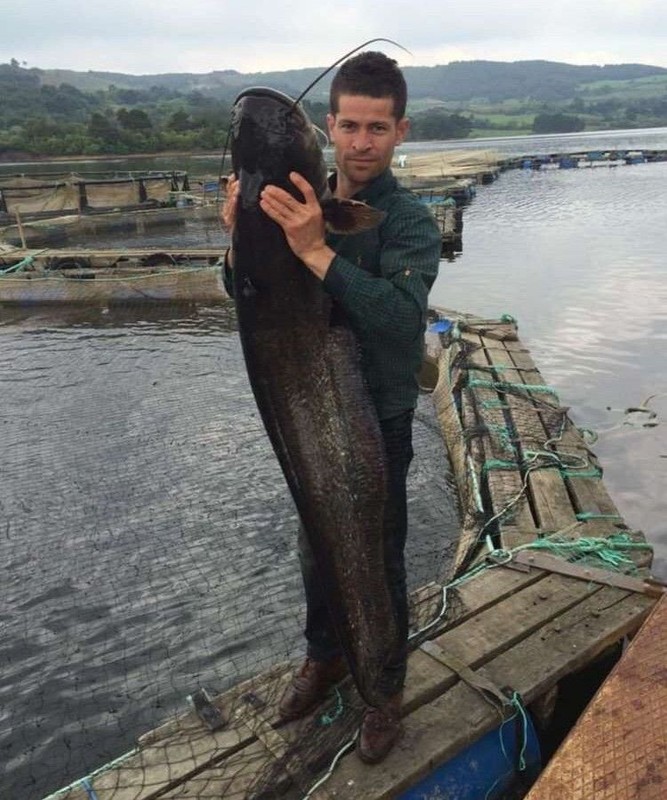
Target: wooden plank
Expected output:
[477,641]
[472,546]
[551,501]
[180,748]
[504,484]
[491,632]
[434,733]
[452,423]
[588,493]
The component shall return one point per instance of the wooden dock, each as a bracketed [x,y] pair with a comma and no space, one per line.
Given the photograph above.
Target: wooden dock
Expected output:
[527,603]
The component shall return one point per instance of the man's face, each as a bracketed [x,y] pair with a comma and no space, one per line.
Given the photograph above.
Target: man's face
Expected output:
[364,134]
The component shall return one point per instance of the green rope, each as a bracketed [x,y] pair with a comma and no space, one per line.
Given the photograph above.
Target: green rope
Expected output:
[503,435]
[26,262]
[496,463]
[515,702]
[596,472]
[329,717]
[589,436]
[494,404]
[504,386]
[586,515]
[610,550]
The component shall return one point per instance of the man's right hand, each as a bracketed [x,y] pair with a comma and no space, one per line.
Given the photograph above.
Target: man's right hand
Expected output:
[228,213]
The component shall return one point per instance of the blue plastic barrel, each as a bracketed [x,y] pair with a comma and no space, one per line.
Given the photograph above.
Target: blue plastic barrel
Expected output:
[440,326]
[482,771]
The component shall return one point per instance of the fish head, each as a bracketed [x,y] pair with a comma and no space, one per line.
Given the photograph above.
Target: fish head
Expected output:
[272,136]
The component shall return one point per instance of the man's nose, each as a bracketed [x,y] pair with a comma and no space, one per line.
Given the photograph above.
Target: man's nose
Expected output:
[362,140]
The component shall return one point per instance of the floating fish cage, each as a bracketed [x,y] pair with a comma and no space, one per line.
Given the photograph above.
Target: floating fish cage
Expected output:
[38,197]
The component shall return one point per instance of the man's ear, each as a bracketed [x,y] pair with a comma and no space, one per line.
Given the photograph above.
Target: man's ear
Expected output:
[402,128]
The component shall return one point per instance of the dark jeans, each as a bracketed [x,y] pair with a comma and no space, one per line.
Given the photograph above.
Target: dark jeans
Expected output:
[322,641]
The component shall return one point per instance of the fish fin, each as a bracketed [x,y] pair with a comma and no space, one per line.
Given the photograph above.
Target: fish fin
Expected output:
[350,216]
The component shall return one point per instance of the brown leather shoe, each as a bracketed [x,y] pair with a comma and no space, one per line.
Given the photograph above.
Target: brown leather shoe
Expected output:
[380,730]
[309,686]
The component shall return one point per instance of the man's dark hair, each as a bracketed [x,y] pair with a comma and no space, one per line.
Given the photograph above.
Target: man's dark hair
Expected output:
[372,74]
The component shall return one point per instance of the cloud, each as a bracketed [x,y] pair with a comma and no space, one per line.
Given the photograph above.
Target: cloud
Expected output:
[258,35]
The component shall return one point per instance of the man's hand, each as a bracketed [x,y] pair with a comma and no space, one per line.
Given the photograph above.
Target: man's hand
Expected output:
[302,223]
[228,213]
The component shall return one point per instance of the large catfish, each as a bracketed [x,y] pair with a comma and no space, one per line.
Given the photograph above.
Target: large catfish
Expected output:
[303,364]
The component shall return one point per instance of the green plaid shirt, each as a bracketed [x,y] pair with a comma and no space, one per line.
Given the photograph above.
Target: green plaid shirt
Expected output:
[382,278]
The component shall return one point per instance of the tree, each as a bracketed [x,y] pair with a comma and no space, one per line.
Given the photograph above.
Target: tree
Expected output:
[557,123]
[179,121]
[103,129]
[438,124]
[134,120]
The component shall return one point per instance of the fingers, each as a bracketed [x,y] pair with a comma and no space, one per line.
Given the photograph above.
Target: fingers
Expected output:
[228,212]
[282,203]
[303,186]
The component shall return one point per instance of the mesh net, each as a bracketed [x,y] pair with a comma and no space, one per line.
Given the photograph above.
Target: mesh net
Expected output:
[72,193]
[148,551]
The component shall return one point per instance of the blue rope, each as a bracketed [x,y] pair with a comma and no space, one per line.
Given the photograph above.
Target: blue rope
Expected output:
[87,785]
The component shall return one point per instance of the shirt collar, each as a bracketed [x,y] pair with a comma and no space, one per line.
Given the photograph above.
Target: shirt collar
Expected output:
[372,192]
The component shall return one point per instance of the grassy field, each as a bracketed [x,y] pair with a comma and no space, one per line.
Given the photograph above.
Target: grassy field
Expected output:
[654,86]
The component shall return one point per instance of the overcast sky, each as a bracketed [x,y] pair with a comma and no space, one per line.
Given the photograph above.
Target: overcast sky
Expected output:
[148,37]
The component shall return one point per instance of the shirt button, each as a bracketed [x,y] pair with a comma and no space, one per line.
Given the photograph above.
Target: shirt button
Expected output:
[406,273]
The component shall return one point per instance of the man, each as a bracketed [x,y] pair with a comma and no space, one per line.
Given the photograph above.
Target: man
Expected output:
[380,279]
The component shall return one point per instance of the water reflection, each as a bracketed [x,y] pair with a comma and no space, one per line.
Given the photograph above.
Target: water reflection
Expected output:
[117,315]
[149,540]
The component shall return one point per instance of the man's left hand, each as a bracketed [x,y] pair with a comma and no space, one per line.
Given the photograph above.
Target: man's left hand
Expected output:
[302,223]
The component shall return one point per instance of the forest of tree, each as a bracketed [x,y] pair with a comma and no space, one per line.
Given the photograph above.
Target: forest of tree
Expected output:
[61,113]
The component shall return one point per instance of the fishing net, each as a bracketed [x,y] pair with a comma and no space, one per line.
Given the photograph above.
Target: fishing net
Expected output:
[149,563]
[73,193]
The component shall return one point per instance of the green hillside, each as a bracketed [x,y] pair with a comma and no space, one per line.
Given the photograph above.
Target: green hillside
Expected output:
[65,112]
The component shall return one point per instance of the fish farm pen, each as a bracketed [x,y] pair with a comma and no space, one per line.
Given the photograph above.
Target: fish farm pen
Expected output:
[49,195]
[547,582]
[103,277]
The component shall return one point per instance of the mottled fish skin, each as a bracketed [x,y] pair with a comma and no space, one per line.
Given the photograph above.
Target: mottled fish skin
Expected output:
[305,374]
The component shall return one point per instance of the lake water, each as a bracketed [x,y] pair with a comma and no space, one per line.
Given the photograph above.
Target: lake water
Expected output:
[148,543]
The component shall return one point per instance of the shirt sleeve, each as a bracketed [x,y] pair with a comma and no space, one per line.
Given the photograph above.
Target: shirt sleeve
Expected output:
[395,302]
[228,275]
